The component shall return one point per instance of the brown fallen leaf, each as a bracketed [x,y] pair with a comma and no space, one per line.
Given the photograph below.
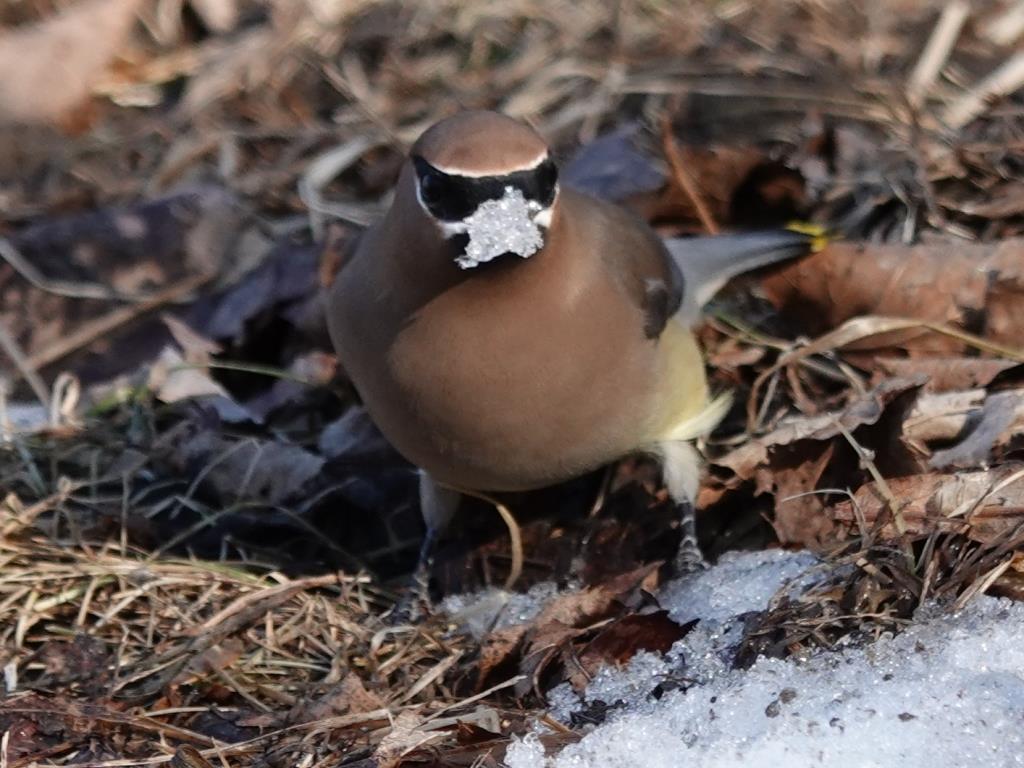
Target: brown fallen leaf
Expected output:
[468,734]
[944,374]
[621,640]
[48,69]
[868,409]
[807,454]
[578,609]
[498,652]
[977,287]
[345,697]
[187,756]
[739,186]
[571,616]
[214,659]
[77,272]
[547,643]
[964,429]
[799,512]
[85,661]
[984,504]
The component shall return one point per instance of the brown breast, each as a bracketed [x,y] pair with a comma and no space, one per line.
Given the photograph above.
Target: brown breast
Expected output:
[509,377]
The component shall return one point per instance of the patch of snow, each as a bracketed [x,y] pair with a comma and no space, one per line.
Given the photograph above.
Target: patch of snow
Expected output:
[525,752]
[738,583]
[488,609]
[947,692]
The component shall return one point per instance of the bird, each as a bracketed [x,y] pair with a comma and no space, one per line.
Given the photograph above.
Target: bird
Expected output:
[507,333]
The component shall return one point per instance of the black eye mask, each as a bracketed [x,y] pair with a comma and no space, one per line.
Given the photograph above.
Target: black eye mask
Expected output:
[452,198]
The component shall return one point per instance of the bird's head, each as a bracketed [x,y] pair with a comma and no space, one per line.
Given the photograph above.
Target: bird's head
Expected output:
[488,183]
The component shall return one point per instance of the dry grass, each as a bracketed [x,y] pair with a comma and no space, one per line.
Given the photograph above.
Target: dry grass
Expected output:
[136,648]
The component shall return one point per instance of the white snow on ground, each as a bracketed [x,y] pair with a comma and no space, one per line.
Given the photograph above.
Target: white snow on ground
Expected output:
[947,692]
[481,612]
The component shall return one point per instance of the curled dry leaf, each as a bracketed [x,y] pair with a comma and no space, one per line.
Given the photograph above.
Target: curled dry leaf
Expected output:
[621,640]
[977,287]
[868,409]
[984,504]
[214,659]
[804,454]
[196,348]
[799,511]
[49,68]
[349,696]
[996,422]
[73,275]
[945,374]
[964,429]
[172,379]
[500,648]
[550,636]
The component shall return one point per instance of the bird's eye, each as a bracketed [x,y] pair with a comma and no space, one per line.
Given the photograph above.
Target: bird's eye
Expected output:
[431,187]
[547,180]
[433,184]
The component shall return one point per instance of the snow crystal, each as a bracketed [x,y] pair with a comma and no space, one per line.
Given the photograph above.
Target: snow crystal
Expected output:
[632,683]
[501,226]
[524,752]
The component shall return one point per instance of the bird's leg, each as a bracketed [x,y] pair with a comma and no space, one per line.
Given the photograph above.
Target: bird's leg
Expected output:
[689,558]
[437,504]
[681,472]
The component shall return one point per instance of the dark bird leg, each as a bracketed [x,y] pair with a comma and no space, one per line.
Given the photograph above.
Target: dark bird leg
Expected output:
[438,504]
[681,471]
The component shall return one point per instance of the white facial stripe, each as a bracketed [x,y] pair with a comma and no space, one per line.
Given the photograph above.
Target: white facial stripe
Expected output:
[420,200]
[478,173]
[451,228]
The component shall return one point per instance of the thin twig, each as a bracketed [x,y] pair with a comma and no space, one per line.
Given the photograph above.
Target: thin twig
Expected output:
[1000,83]
[937,50]
[95,329]
[514,533]
[24,366]
[67,288]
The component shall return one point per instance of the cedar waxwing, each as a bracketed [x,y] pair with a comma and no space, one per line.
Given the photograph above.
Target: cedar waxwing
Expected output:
[506,333]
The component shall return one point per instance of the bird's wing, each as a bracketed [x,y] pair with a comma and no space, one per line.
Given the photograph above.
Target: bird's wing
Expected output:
[638,260]
[708,263]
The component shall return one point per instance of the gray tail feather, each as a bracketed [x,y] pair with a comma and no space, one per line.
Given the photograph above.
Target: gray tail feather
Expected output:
[708,263]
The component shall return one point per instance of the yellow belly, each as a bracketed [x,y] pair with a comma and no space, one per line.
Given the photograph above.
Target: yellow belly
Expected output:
[684,409]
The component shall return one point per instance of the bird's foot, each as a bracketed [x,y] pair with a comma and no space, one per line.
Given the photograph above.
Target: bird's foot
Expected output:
[415,604]
[689,559]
